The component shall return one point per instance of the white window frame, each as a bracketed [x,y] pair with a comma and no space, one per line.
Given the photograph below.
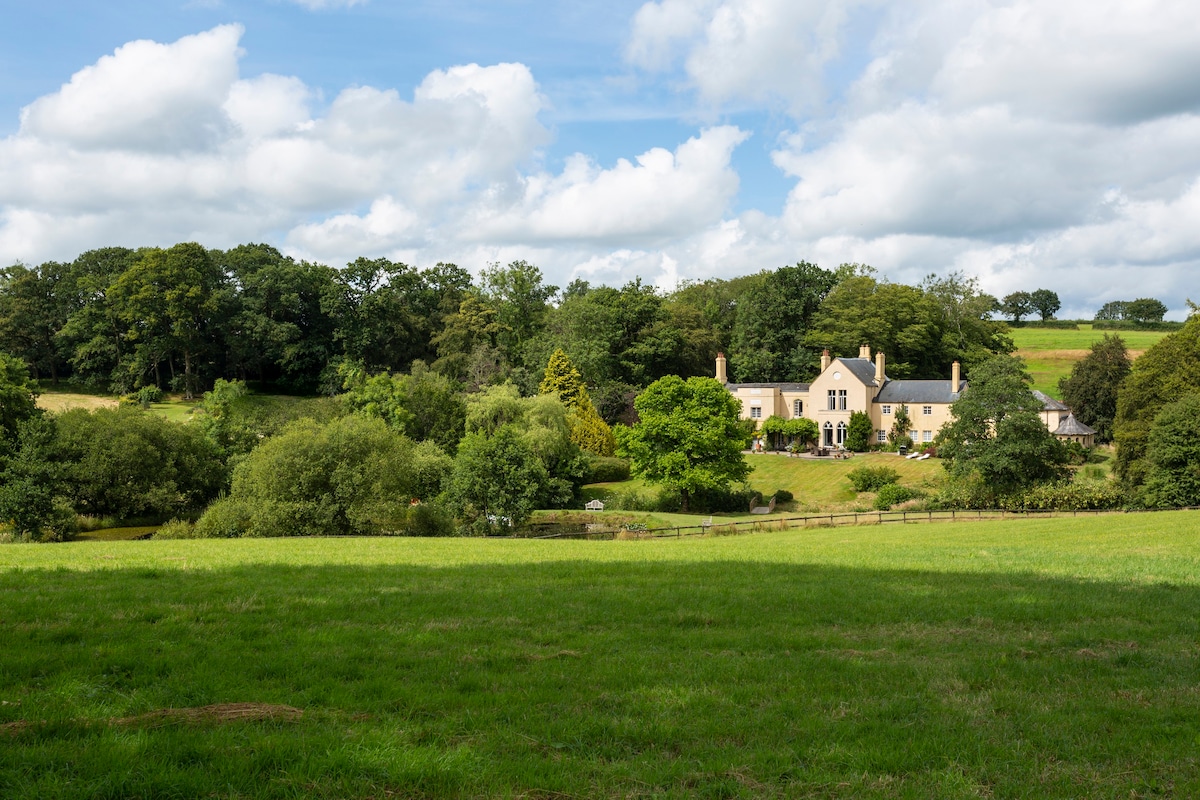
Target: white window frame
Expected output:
[886,409]
[841,399]
[755,412]
[841,433]
[926,436]
[927,410]
[832,394]
[797,408]
[882,437]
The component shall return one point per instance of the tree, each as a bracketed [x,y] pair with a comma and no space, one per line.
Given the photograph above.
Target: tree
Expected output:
[688,437]
[520,298]
[563,379]
[170,301]
[125,463]
[31,483]
[18,397]
[1145,309]
[1113,310]
[1045,302]
[588,430]
[969,334]
[1092,387]
[1167,371]
[773,318]
[497,479]
[33,309]
[995,435]
[351,476]
[1173,455]
[1016,305]
[901,425]
[858,433]
[423,405]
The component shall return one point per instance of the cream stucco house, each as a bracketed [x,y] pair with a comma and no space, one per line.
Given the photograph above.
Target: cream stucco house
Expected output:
[846,385]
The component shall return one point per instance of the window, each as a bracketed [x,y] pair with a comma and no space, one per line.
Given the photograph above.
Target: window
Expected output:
[755,412]
[887,409]
[841,430]
[882,437]
[832,400]
[828,431]
[926,436]
[841,399]
[797,408]
[927,410]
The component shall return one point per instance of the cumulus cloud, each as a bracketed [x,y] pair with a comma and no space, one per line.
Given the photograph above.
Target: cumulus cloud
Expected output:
[663,196]
[1025,142]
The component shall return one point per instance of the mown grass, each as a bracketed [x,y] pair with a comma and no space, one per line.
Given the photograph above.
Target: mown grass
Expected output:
[1043,658]
[1049,353]
[816,485]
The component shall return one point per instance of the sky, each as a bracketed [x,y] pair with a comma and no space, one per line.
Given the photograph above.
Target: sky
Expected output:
[1029,144]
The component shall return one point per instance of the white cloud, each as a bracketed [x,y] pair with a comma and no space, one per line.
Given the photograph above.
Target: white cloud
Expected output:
[663,196]
[145,96]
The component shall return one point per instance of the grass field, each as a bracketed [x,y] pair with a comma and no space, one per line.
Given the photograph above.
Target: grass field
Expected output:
[56,400]
[817,485]
[1049,354]
[1046,658]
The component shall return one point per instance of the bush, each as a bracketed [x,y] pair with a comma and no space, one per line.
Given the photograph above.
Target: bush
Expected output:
[892,494]
[606,469]
[149,394]
[1130,325]
[353,476]
[783,496]
[176,529]
[427,519]
[1067,496]
[872,479]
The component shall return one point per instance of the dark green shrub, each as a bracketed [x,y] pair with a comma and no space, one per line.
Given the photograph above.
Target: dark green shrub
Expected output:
[1085,495]
[606,469]
[872,479]
[783,496]
[176,529]
[149,394]
[427,519]
[892,494]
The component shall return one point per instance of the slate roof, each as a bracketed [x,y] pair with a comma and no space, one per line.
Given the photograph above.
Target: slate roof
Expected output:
[1073,427]
[1049,403]
[863,369]
[894,392]
[783,387]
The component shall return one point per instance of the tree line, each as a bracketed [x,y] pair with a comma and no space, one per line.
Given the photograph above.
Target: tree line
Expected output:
[180,318]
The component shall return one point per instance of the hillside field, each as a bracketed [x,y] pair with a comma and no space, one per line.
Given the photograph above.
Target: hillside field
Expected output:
[1047,658]
[1049,353]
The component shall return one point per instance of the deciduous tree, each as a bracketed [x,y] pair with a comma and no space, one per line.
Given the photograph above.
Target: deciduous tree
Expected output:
[1092,387]
[689,436]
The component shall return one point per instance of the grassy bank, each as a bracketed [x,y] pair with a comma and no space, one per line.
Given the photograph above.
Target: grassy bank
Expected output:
[1042,658]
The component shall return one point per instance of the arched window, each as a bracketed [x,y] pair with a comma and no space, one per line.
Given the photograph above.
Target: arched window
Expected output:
[828,434]
[841,433]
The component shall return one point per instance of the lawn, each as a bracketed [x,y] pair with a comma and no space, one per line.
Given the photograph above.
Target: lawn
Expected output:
[817,485]
[1049,353]
[1048,658]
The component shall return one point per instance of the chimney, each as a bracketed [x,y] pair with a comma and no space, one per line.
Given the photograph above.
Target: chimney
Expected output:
[955,377]
[879,362]
[864,351]
[721,376]
[825,360]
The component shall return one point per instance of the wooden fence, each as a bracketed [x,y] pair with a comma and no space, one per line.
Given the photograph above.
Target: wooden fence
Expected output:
[830,520]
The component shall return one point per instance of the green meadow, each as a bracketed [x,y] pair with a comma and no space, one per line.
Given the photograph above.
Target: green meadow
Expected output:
[1039,658]
[1049,353]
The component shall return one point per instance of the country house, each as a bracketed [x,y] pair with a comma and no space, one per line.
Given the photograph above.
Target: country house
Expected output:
[846,385]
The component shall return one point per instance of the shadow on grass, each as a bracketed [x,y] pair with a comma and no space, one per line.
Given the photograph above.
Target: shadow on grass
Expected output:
[584,678]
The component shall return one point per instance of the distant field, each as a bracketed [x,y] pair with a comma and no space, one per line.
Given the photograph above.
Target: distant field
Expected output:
[1042,658]
[1050,354]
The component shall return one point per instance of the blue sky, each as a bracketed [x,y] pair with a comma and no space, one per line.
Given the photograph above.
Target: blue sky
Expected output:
[1023,143]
